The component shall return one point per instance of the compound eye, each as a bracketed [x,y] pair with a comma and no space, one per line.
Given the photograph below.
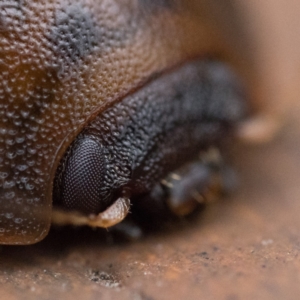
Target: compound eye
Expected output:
[78,180]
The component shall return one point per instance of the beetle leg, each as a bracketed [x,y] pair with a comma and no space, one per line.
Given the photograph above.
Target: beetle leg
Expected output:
[114,214]
[182,191]
[259,129]
[197,183]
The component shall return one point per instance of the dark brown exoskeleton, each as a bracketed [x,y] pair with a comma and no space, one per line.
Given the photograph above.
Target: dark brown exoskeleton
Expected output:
[102,101]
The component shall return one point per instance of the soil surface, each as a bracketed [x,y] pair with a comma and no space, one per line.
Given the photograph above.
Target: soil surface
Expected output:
[246,246]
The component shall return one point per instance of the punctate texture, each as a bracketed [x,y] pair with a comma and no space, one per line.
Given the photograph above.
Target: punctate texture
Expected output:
[133,145]
[61,63]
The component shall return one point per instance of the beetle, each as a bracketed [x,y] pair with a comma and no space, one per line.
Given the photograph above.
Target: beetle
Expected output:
[68,68]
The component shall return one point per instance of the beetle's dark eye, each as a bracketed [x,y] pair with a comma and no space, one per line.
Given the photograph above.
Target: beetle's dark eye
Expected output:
[78,182]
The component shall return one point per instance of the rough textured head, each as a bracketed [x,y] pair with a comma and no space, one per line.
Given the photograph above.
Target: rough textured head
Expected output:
[136,143]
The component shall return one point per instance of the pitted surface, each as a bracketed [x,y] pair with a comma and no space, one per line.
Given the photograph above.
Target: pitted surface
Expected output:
[60,63]
[149,134]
